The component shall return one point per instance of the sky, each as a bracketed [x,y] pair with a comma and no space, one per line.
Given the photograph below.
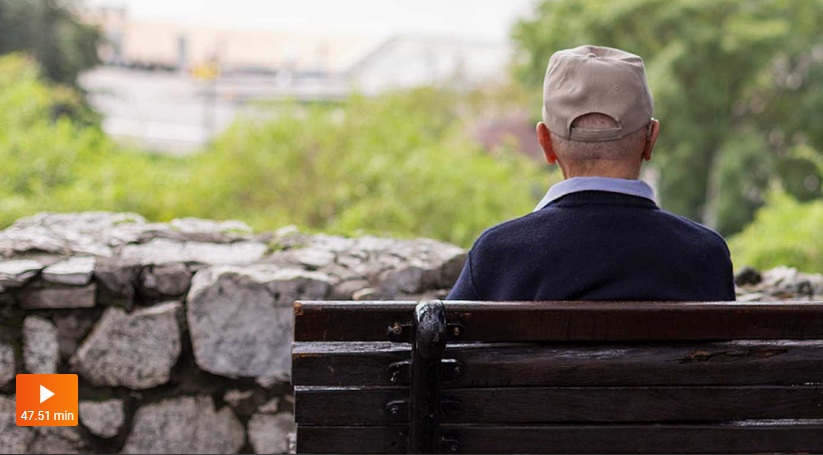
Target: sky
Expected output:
[478,19]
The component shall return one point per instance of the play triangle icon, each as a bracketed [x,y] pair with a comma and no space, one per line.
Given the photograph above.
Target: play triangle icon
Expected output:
[45,394]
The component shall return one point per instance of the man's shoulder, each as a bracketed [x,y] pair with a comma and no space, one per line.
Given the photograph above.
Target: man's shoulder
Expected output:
[698,228]
[526,228]
[513,234]
[509,227]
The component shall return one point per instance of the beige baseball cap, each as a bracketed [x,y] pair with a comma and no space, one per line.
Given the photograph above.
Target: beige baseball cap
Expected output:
[593,79]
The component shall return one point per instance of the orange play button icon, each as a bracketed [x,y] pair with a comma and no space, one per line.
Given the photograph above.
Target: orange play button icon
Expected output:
[45,394]
[46,400]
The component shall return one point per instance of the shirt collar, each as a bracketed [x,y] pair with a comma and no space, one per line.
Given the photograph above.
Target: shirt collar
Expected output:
[575,184]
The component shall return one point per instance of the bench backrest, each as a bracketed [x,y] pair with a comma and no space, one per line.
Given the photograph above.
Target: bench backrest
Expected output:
[548,377]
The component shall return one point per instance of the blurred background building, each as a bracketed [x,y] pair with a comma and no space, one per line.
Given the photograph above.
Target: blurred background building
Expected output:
[171,86]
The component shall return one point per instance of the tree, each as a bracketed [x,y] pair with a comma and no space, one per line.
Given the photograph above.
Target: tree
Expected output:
[51,32]
[727,78]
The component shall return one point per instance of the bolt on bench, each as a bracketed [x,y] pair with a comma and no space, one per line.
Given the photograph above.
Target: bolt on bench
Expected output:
[549,377]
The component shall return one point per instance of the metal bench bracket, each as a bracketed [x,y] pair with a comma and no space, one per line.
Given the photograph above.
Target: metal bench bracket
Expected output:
[428,345]
[400,372]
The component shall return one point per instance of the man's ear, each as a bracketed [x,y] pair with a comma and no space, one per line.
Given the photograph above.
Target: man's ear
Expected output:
[545,140]
[651,138]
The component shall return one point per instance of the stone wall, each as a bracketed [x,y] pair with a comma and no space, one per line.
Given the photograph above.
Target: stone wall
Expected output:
[180,332]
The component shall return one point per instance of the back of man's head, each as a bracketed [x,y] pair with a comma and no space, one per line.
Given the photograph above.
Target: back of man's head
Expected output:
[597,104]
[596,80]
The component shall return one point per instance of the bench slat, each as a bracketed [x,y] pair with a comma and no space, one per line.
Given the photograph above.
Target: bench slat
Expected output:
[717,438]
[352,439]
[571,321]
[490,365]
[357,406]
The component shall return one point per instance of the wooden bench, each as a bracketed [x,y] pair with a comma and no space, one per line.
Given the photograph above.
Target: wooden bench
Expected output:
[549,377]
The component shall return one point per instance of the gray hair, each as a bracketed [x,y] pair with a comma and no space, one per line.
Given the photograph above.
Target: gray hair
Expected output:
[616,150]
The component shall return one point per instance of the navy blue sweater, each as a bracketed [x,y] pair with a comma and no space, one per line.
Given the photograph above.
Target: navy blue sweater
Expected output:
[596,245]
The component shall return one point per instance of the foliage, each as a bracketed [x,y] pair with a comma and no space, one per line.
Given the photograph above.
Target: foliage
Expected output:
[784,231]
[50,31]
[736,85]
[53,162]
[399,164]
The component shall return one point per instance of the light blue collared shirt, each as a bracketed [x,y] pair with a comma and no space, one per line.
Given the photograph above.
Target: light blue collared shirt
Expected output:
[575,184]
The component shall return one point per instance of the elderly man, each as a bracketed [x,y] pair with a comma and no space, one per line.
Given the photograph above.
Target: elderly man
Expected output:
[598,234]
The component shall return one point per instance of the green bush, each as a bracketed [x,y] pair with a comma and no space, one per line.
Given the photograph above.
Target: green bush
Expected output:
[57,162]
[400,164]
[784,232]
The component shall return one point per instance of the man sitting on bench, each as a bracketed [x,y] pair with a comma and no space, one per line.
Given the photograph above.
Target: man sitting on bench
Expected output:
[597,235]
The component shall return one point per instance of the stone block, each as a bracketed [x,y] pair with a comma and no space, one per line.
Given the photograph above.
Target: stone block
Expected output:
[345,290]
[41,348]
[7,363]
[16,273]
[75,271]
[270,407]
[52,297]
[117,281]
[72,328]
[103,418]
[57,440]
[165,280]
[184,425]
[240,319]
[136,350]
[13,439]
[269,433]
[164,251]
[200,226]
